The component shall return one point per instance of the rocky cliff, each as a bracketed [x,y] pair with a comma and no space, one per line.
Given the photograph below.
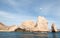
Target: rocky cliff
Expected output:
[42,24]
[54,29]
[28,25]
[3,27]
[12,28]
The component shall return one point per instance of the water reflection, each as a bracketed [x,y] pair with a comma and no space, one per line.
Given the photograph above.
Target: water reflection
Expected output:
[54,35]
[35,35]
[23,35]
[28,35]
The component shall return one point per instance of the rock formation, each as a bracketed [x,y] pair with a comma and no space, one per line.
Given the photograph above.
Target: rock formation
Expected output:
[12,28]
[54,29]
[3,27]
[42,24]
[28,25]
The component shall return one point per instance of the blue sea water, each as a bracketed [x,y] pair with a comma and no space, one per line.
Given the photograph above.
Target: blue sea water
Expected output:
[29,35]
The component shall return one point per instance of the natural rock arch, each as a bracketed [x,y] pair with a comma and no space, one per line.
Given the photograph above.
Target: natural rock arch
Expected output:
[19,30]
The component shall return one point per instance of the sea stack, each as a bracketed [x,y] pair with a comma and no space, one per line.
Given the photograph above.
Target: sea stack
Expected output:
[42,24]
[54,29]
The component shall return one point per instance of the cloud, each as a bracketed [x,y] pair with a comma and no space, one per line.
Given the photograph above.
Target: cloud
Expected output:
[6,15]
[30,9]
[11,18]
[18,4]
[49,9]
[45,9]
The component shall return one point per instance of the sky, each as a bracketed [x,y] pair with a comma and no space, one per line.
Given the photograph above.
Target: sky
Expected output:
[17,11]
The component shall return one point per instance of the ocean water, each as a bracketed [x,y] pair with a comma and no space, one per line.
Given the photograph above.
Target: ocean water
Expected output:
[29,35]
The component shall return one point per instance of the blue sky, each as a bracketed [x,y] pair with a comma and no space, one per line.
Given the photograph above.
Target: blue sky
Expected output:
[17,11]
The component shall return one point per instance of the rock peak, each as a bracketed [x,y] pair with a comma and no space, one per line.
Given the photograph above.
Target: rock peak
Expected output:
[1,23]
[54,29]
[42,24]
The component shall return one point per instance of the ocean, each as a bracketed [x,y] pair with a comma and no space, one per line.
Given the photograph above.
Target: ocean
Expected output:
[29,35]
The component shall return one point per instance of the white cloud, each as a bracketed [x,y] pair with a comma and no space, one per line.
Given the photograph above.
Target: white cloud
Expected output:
[6,15]
[16,17]
[44,9]
[18,4]
[11,18]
